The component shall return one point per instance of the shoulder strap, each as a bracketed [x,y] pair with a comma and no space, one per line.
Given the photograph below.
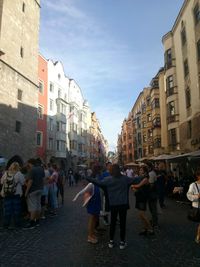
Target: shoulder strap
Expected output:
[197,188]
[199,193]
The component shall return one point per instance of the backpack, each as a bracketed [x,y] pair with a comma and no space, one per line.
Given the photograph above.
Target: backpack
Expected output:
[9,185]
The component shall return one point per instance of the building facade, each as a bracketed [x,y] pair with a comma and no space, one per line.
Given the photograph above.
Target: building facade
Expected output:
[41,134]
[19,33]
[182,68]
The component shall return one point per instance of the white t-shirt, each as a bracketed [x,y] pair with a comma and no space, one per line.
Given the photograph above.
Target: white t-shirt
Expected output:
[192,194]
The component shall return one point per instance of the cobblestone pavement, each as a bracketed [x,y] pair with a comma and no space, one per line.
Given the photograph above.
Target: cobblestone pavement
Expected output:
[61,241]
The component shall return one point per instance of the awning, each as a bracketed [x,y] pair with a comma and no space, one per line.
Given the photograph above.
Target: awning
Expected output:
[194,154]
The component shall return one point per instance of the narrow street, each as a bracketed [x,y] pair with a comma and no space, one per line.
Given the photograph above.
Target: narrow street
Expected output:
[61,241]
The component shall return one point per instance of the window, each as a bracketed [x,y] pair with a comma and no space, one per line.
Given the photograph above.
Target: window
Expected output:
[198,49]
[50,143]
[51,124]
[57,126]
[63,127]
[150,133]
[188,97]
[148,101]
[60,126]
[59,93]
[21,52]
[17,126]
[183,36]
[186,68]
[196,13]
[172,137]
[80,148]
[157,142]
[139,138]
[19,94]
[144,138]
[171,108]
[51,87]
[149,117]
[155,103]
[23,7]
[168,59]
[51,104]
[138,122]
[58,145]
[62,109]
[41,87]
[73,127]
[143,108]
[73,144]
[150,149]
[156,122]
[40,112]
[189,129]
[144,124]
[170,85]
[39,138]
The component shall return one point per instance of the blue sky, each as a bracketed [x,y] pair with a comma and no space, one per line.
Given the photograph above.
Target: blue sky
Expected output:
[112,48]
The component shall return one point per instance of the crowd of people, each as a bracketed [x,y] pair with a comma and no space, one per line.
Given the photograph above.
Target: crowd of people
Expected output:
[31,191]
[36,190]
[110,189]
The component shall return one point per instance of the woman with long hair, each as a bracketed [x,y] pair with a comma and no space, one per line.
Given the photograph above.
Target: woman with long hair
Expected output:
[141,193]
[92,201]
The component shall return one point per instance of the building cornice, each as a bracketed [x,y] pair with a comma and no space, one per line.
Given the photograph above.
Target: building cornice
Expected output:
[18,73]
[186,2]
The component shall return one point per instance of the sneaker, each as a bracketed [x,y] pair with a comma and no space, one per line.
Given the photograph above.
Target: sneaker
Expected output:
[30,225]
[111,244]
[122,245]
[92,240]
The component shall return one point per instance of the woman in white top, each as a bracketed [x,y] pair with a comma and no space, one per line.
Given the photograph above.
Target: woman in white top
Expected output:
[193,195]
[12,182]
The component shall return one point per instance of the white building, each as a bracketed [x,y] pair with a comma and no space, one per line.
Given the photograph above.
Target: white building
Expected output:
[58,112]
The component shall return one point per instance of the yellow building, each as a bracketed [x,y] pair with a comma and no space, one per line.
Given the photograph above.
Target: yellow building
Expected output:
[182,68]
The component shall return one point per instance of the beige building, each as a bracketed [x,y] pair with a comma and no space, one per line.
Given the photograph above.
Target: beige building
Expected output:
[182,76]
[19,32]
[98,144]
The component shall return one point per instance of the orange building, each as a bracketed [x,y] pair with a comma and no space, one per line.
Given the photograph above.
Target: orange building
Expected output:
[41,134]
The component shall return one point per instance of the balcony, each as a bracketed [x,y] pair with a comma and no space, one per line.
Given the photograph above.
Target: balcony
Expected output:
[172,118]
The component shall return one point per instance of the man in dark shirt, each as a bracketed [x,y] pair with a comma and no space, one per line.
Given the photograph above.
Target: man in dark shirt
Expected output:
[35,183]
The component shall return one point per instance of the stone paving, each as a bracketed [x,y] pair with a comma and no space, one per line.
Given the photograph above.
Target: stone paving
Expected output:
[61,241]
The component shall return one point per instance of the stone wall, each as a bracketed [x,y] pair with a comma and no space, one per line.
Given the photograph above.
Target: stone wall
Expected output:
[12,110]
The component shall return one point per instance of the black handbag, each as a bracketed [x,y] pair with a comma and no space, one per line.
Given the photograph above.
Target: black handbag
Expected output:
[194,213]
